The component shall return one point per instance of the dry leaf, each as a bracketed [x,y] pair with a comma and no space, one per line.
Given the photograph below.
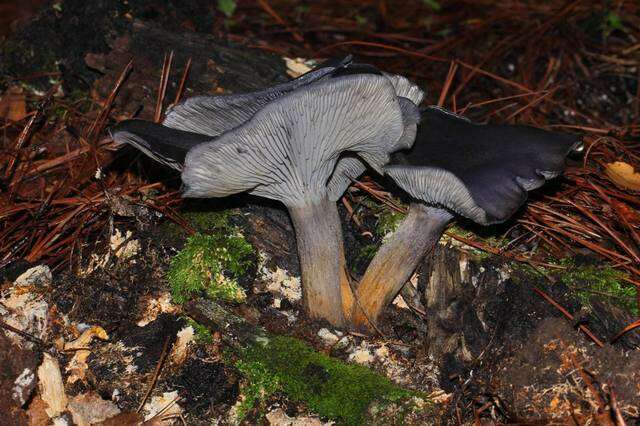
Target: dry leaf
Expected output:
[629,214]
[296,67]
[623,175]
[78,364]
[13,105]
[86,337]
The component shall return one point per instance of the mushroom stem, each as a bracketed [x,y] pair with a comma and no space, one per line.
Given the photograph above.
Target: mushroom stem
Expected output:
[325,286]
[396,260]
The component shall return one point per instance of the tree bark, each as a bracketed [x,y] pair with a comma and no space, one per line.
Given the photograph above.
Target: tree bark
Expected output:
[236,331]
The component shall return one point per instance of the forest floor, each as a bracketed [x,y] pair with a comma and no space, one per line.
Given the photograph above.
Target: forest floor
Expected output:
[95,240]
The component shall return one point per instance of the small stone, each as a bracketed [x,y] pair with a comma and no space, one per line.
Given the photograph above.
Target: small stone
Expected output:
[328,337]
[38,275]
[87,409]
[361,356]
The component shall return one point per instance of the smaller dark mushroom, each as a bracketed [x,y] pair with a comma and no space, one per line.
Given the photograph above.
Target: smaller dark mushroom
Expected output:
[481,172]
[163,144]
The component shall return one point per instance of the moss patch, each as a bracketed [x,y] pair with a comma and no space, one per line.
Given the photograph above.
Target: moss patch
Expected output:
[260,385]
[329,387]
[388,221]
[600,281]
[209,220]
[202,334]
[213,264]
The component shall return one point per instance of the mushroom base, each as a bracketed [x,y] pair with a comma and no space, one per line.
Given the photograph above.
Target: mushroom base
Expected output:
[396,260]
[325,285]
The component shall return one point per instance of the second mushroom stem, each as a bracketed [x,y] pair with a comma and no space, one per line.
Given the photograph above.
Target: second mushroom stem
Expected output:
[325,284]
[395,261]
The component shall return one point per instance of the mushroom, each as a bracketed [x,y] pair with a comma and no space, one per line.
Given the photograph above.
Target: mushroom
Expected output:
[287,151]
[201,118]
[480,172]
[214,115]
[163,144]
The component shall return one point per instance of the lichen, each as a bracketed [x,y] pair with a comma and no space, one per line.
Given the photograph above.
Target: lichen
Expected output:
[213,264]
[328,387]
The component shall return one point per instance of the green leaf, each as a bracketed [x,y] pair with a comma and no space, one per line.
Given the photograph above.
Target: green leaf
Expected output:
[227,7]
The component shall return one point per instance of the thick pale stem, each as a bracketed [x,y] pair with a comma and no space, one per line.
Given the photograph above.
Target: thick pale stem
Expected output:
[396,260]
[325,286]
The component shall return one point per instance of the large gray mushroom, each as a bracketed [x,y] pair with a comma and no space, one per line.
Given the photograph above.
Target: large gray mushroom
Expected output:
[201,118]
[481,172]
[214,115]
[287,151]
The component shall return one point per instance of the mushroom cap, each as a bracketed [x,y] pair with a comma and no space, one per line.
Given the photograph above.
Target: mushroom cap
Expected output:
[165,145]
[349,167]
[201,118]
[482,172]
[214,115]
[288,150]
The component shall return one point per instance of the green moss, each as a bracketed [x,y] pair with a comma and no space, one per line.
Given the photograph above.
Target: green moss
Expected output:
[260,385]
[605,282]
[209,220]
[366,253]
[202,221]
[388,221]
[329,387]
[213,264]
[201,333]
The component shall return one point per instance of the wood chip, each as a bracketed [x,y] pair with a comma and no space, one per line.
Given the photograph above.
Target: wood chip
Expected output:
[51,386]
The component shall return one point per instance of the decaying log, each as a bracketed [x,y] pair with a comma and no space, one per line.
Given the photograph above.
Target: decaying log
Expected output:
[234,330]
